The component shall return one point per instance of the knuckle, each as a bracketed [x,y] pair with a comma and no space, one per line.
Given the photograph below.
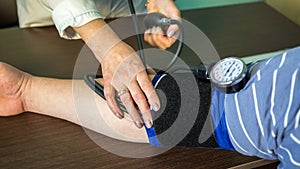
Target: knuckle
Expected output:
[107,77]
[169,44]
[134,117]
[126,99]
[162,47]
[144,109]
[146,85]
[138,97]
[146,115]
[108,96]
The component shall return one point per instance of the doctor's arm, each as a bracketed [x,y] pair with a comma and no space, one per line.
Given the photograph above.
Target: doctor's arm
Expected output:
[122,68]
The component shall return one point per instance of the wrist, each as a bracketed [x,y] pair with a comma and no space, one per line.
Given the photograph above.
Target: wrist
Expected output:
[27,94]
[99,37]
[118,52]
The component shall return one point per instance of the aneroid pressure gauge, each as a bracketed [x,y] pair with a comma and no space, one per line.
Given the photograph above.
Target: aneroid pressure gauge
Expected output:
[229,74]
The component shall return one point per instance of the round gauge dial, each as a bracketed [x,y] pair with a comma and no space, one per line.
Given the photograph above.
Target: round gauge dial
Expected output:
[228,72]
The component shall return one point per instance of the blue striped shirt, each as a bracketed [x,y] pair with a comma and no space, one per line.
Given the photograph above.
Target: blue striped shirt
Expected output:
[263,119]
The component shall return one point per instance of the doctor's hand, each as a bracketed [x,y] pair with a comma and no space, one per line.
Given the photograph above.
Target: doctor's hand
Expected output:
[123,73]
[155,36]
[125,76]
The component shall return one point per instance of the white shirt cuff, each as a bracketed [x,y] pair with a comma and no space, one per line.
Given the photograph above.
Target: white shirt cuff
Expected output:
[74,13]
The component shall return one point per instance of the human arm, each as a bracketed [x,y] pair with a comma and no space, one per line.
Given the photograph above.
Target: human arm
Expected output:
[111,52]
[121,69]
[20,92]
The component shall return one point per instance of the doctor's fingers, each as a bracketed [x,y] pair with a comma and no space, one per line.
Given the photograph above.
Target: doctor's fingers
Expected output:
[123,93]
[127,101]
[155,37]
[173,31]
[109,93]
[145,84]
[138,92]
[143,94]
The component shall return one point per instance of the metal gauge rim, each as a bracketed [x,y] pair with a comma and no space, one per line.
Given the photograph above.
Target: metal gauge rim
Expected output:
[232,82]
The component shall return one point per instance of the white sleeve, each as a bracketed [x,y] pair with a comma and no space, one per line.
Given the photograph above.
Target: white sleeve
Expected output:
[71,13]
[31,13]
[50,4]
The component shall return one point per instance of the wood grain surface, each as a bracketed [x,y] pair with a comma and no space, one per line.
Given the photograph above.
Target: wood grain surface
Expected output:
[34,141]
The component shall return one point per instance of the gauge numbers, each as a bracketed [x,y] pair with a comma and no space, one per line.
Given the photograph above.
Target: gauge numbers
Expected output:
[227,70]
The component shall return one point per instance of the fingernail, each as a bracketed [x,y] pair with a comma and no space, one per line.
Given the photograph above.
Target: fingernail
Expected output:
[171,33]
[138,124]
[119,116]
[149,124]
[154,107]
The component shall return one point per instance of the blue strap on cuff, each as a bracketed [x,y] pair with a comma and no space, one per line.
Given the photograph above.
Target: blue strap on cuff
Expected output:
[153,140]
[152,137]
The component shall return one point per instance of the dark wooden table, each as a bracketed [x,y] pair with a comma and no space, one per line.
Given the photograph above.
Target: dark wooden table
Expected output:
[34,141]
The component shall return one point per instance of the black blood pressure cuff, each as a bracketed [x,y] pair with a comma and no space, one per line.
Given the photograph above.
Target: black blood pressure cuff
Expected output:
[184,118]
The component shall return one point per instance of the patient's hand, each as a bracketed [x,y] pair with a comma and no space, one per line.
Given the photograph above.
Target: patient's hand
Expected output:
[13,84]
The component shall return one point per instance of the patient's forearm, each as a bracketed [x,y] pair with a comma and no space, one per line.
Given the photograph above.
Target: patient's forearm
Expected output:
[52,97]
[58,98]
